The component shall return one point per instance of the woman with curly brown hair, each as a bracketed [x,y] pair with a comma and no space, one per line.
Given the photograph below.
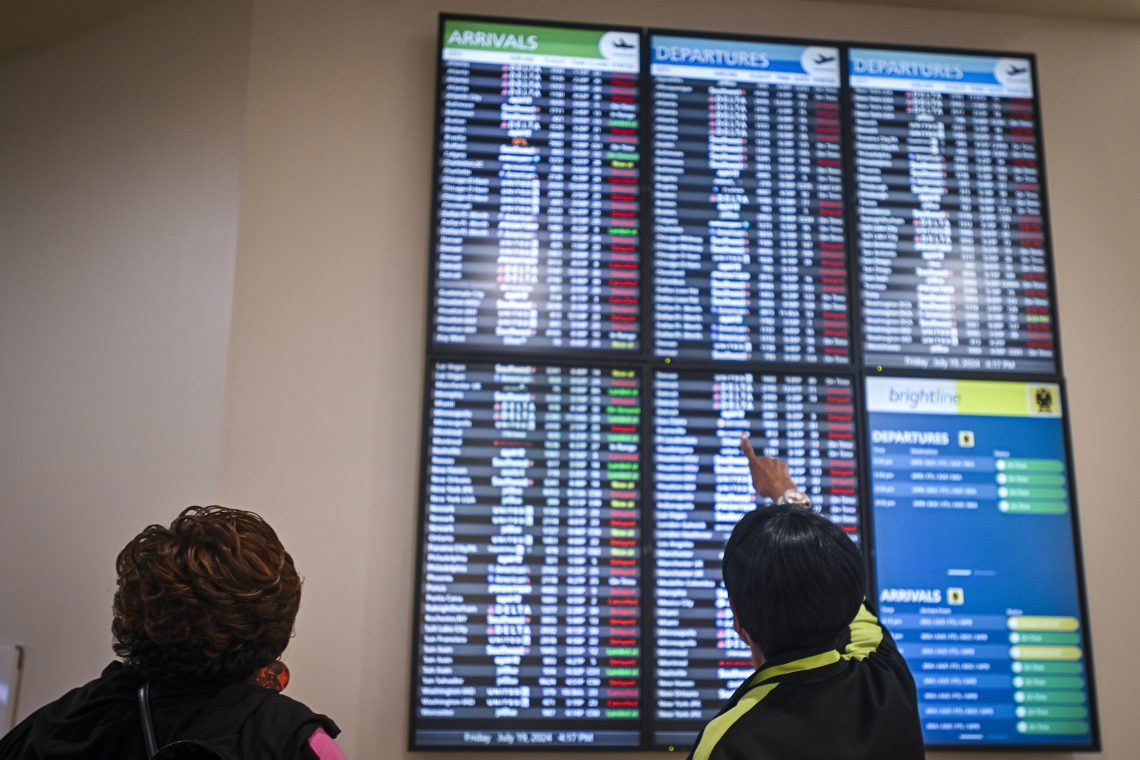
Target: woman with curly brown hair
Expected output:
[202,611]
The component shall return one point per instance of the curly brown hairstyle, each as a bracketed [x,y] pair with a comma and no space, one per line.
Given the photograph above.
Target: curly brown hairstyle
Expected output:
[211,598]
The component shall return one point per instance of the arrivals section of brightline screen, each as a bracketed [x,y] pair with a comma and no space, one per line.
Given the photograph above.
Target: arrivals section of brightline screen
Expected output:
[701,488]
[748,205]
[537,240]
[950,213]
[529,617]
[976,558]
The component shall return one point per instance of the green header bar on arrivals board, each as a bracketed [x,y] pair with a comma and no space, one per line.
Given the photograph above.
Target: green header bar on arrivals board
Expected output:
[520,38]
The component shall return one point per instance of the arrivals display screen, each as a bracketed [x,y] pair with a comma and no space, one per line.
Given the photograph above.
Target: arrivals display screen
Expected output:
[948,188]
[647,242]
[537,231]
[975,558]
[530,581]
[749,258]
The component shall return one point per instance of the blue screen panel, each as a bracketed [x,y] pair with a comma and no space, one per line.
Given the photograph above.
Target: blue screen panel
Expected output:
[975,558]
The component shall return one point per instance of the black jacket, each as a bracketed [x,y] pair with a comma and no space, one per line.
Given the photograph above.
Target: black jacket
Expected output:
[857,702]
[100,721]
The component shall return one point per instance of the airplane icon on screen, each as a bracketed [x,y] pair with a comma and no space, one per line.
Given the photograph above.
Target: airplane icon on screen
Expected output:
[621,43]
[820,59]
[1015,70]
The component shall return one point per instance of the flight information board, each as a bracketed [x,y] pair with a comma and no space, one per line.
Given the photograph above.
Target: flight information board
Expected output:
[701,488]
[537,240]
[822,219]
[951,229]
[975,556]
[749,258]
[529,595]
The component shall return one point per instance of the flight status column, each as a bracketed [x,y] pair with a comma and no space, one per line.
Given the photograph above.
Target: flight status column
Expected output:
[976,561]
[529,622]
[748,235]
[701,488]
[537,240]
[953,252]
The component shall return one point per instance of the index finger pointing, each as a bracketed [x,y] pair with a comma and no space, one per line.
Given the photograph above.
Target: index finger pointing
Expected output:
[746,446]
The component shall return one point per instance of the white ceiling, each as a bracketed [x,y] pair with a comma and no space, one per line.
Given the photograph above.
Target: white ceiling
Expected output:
[30,23]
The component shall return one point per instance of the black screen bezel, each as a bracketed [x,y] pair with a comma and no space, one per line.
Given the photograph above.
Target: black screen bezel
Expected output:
[648,365]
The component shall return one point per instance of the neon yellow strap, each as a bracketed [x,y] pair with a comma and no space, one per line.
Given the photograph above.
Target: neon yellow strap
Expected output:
[719,725]
[805,663]
[866,635]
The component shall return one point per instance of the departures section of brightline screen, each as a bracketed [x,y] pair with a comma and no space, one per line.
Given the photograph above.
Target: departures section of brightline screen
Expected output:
[976,558]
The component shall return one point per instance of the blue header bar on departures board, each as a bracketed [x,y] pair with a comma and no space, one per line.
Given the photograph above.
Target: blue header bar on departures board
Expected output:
[703,58]
[938,72]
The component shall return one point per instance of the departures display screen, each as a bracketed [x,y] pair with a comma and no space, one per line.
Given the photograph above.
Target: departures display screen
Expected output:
[701,488]
[749,258]
[988,614]
[948,186]
[646,243]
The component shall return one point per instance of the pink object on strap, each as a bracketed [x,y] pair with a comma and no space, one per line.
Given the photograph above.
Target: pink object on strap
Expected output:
[324,747]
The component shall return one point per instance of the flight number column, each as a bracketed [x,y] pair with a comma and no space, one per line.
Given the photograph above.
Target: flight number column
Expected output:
[800,248]
[588,636]
[601,155]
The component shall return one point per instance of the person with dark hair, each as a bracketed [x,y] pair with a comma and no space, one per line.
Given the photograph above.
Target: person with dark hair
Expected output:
[830,682]
[201,613]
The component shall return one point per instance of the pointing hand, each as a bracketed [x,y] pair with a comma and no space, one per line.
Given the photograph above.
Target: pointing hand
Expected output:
[770,476]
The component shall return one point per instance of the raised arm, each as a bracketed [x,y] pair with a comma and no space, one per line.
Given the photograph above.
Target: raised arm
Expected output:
[770,477]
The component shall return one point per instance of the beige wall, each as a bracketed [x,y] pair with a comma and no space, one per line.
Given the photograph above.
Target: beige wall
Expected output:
[120,153]
[322,397]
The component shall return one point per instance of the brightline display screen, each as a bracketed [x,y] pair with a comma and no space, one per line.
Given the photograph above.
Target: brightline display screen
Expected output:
[646,242]
[975,557]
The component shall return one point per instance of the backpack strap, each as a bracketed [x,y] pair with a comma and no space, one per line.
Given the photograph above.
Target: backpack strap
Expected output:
[219,729]
[147,722]
[190,750]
